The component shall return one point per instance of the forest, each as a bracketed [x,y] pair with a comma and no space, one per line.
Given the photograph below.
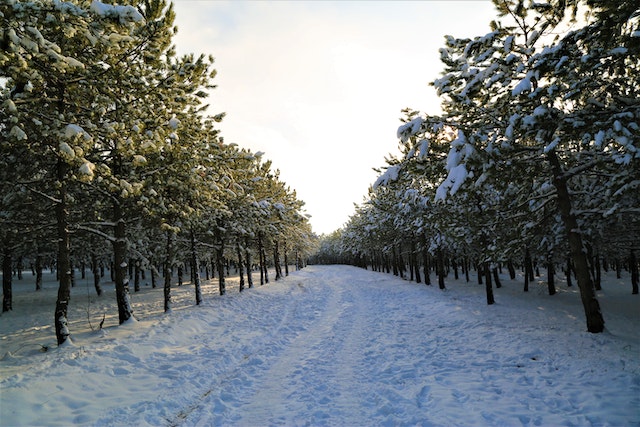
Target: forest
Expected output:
[111,160]
[534,162]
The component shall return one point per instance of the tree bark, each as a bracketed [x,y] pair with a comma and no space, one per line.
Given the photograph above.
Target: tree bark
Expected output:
[136,276]
[425,264]
[551,282]
[222,286]
[64,257]
[195,269]
[96,273]
[488,285]
[276,260]
[441,272]
[496,277]
[7,294]
[512,270]
[597,266]
[595,321]
[247,256]
[286,259]
[38,268]
[153,277]
[528,269]
[240,272]
[167,272]
[568,273]
[123,298]
[635,274]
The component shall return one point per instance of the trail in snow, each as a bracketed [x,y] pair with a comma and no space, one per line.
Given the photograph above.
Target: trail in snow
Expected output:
[338,345]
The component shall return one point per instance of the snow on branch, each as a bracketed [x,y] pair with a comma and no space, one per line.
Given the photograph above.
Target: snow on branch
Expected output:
[460,152]
[122,13]
[389,175]
[409,129]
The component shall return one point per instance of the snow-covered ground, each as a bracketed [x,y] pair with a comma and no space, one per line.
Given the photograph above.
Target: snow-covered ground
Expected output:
[328,345]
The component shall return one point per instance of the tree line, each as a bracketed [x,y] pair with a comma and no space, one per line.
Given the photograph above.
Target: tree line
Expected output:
[535,159]
[109,156]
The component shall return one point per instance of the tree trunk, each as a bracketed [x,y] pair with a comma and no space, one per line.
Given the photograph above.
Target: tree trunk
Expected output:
[167,272]
[222,286]
[635,274]
[512,270]
[394,260]
[136,276]
[595,321]
[598,272]
[64,257]
[528,269]
[551,282]
[247,256]
[568,273]
[496,277]
[153,277]
[441,269]
[7,294]
[263,262]
[96,273]
[488,286]
[425,265]
[414,257]
[195,269]
[276,260]
[19,267]
[286,259]
[239,251]
[123,298]
[38,268]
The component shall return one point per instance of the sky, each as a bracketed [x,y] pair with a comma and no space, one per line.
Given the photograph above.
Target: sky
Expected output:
[319,86]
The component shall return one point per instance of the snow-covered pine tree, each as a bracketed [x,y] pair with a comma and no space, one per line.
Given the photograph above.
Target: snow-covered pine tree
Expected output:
[51,52]
[526,99]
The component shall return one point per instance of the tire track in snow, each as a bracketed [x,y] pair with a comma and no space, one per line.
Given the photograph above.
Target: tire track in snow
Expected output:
[349,367]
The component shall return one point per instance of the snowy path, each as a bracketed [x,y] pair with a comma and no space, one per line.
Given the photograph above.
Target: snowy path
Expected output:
[340,346]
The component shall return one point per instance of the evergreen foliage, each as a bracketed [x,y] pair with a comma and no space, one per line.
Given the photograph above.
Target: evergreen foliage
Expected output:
[106,140]
[536,152]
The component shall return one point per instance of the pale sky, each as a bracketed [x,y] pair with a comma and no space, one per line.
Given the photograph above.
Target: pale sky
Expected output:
[319,85]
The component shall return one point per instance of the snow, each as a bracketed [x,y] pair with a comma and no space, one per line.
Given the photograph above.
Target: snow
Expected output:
[66,151]
[121,12]
[328,345]
[619,51]
[409,129]
[73,130]
[87,169]
[174,122]
[10,106]
[599,138]
[523,86]
[18,133]
[552,145]
[389,175]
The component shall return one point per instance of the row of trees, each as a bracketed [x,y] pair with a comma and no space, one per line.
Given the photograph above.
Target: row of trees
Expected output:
[106,146]
[536,157]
